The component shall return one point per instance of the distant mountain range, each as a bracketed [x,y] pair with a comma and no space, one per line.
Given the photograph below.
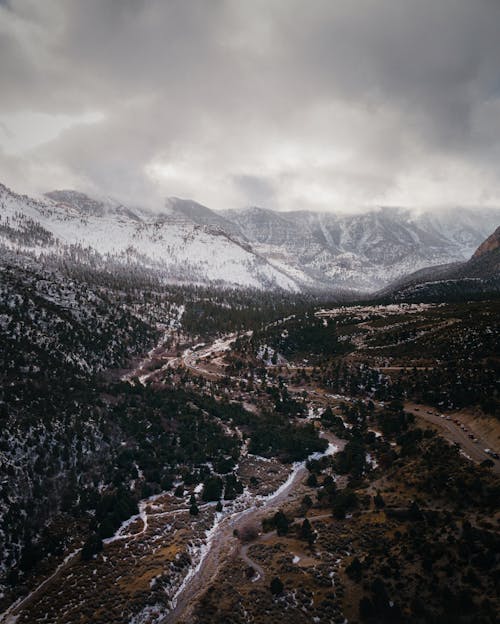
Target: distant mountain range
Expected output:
[255,247]
[477,277]
[363,251]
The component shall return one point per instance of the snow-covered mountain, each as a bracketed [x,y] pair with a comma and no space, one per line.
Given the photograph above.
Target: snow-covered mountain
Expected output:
[68,222]
[364,251]
[256,247]
[479,277]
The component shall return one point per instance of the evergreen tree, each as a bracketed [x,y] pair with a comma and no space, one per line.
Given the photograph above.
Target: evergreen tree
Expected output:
[276,586]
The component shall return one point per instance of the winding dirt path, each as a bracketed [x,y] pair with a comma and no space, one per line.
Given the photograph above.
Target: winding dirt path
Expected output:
[221,544]
[11,615]
[251,563]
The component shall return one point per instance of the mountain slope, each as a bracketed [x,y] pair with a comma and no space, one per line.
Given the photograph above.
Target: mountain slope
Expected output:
[491,244]
[69,223]
[201,215]
[260,248]
[363,251]
[478,277]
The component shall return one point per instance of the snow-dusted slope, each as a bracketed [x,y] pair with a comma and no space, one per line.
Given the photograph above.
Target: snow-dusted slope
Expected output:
[256,247]
[367,250]
[171,242]
[477,278]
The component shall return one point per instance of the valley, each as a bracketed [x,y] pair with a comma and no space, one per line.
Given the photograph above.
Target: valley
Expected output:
[196,451]
[162,564]
[249,312]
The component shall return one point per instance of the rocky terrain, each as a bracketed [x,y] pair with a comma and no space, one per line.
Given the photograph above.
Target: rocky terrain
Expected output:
[363,251]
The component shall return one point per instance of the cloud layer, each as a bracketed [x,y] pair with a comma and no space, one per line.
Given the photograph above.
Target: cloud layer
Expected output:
[282,103]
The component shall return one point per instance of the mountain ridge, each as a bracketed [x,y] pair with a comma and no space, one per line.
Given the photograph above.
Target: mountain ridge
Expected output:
[364,251]
[255,247]
[489,245]
[169,242]
[477,277]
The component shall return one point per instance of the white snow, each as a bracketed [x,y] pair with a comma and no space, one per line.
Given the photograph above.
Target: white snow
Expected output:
[183,249]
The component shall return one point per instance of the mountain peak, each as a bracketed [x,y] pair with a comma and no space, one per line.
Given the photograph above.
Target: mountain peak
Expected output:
[78,200]
[201,215]
[90,206]
[255,246]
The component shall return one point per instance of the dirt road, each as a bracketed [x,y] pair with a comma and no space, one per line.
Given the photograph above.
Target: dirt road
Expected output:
[251,563]
[450,427]
[11,615]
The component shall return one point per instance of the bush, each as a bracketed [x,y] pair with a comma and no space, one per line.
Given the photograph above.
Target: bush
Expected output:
[344,501]
[212,489]
[281,523]
[312,480]
[248,533]
[379,501]
[306,532]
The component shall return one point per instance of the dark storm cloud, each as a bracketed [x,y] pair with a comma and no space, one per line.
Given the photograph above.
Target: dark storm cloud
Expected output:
[284,102]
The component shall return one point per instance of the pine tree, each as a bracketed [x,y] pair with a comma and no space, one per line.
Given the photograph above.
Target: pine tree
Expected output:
[276,586]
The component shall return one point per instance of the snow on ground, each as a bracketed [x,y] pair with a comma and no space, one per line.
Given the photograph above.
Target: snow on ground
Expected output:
[7,617]
[330,450]
[314,411]
[371,461]
[243,505]
[366,312]
[163,241]
[151,614]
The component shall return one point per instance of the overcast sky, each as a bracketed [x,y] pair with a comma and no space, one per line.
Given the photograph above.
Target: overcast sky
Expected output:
[289,104]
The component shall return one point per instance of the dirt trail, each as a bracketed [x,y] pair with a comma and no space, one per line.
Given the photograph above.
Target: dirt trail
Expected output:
[253,564]
[222,544]
[11,615]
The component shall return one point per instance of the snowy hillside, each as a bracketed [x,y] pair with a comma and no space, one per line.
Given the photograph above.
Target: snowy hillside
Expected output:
[69,222]
[256,247]
[477,278]
[364,251]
